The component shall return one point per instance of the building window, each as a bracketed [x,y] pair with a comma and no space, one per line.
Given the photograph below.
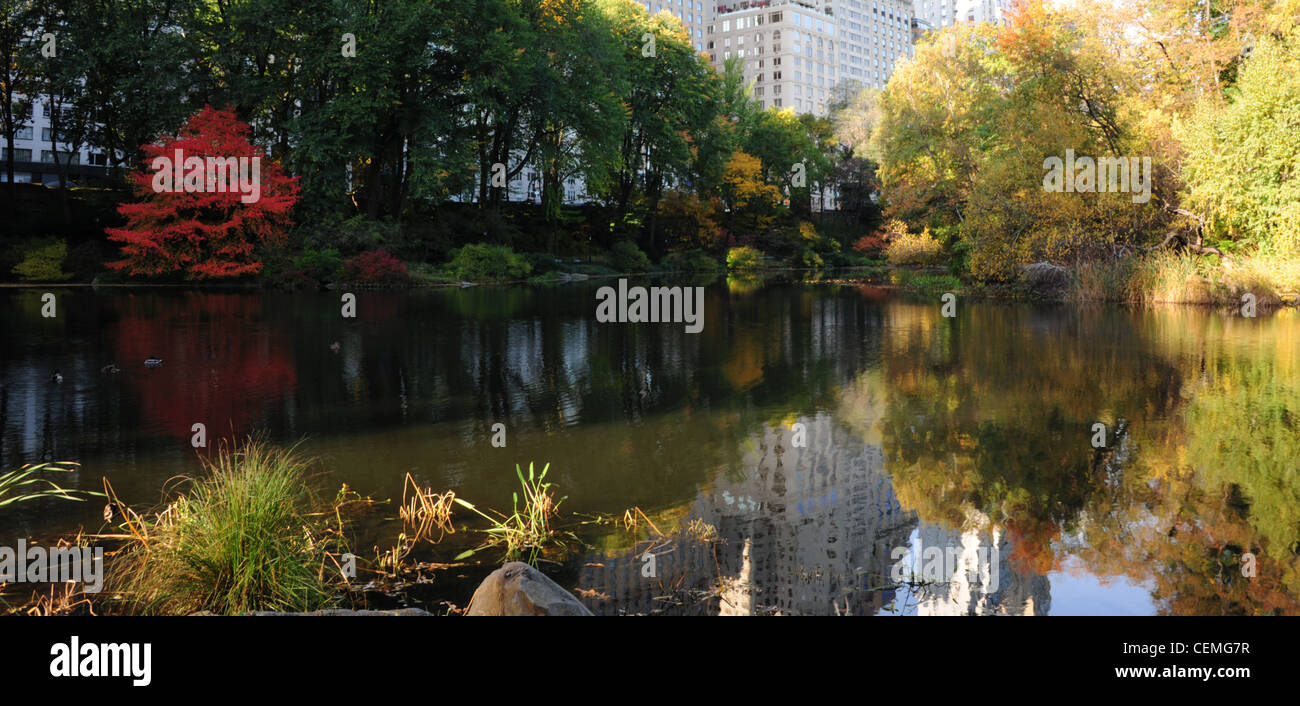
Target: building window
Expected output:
[47,132]
[47,156]
[20,155]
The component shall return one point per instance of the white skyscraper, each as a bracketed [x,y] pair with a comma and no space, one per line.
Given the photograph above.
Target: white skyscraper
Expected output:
[787,49]
[796,51]
[942,13]
[693,14]
[874,35]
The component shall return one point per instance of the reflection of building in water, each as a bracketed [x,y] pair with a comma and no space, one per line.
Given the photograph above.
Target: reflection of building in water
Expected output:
[805,531]
[1012,590]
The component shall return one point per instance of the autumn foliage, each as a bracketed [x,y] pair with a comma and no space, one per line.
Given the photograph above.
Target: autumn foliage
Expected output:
[376,267]
[200,231]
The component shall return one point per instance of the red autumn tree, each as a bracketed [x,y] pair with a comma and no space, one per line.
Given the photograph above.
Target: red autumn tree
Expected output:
[208,197]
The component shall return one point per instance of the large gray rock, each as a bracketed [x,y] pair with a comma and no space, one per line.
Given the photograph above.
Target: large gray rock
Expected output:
[519,589]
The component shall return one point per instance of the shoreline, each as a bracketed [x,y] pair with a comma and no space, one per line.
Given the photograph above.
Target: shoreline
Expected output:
[835,276]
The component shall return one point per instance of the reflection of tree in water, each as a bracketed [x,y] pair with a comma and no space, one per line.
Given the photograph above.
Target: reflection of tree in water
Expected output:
[221,371]
[1225,477]
[991,413]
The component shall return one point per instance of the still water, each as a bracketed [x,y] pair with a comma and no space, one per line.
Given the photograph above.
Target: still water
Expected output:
[942,465]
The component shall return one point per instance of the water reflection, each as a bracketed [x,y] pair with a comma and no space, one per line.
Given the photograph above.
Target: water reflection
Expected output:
[971,433]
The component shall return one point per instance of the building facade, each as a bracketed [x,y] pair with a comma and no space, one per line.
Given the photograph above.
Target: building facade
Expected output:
[874,36]
[944,13]
[34,158]
[787,49]
[692,14]
[796,51]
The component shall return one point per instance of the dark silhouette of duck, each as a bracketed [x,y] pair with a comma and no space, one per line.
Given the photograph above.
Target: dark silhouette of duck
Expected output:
[334,346]
[152,362]
[57,378]
[111,369]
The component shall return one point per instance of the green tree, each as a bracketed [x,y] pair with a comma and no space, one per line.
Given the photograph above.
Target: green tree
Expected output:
[1241,157]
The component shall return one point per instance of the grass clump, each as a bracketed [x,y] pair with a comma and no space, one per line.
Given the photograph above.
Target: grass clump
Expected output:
[1166,277]
[528,529]
[423,512]
[243,538]
[927,285]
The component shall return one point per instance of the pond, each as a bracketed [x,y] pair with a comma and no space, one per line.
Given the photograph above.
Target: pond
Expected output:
[819,448]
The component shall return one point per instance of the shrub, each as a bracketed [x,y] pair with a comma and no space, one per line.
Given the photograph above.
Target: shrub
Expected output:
[540,263]
[688,221]
[870,245]
[375,267]
[481,262]
[43,262]
[811,249]
[424,274]
[744,258]
[691,261]
[850,259]
[907,249]
[86,260]
[629,258]
[321,265]
[242,539]
[356,234]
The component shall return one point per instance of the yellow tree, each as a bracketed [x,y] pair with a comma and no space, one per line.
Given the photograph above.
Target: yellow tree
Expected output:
[751,202]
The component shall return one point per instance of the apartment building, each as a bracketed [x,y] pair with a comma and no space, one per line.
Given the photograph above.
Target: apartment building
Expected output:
[944,13]
[874,36]
[691,13]
[796,51]
[34,152]
[787,49]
